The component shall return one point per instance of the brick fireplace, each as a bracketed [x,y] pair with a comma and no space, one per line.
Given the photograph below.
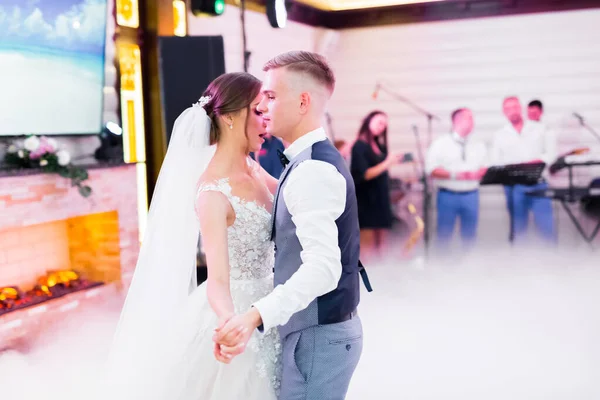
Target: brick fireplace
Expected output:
[46,226]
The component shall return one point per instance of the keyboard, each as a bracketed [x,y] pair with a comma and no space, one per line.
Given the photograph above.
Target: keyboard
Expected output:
[574,194]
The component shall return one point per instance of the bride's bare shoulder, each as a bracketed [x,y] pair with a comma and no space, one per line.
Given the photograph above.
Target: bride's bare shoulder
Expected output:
[212,176]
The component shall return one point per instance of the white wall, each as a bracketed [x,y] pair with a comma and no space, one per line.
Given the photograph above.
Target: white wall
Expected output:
[262,40]
[442,66]
[474,63]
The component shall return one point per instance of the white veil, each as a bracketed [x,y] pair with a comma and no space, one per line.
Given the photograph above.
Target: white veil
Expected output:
[165,272]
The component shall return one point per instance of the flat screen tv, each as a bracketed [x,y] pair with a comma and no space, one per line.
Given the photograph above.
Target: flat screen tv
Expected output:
[51,66]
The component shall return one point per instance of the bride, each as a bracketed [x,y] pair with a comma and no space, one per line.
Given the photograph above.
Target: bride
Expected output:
[163,348]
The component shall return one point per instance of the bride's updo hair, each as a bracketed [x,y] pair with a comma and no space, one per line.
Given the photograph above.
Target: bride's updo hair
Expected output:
[230,94]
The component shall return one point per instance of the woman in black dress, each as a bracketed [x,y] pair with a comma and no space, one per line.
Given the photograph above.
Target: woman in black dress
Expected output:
[369,165]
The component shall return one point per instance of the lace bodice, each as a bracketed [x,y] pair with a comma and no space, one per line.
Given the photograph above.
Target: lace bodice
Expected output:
[251,260]
[251,254]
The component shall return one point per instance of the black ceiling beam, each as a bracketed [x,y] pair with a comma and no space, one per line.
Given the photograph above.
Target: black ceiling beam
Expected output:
[428,12]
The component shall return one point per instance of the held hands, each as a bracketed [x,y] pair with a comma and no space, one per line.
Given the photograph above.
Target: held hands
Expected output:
[219,355]
[232,335]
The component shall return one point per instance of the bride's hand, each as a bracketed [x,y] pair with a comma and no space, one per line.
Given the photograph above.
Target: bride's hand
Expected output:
[217,346]
[230,340]
[219,356]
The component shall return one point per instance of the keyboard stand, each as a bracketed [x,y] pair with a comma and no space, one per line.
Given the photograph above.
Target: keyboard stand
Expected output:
[568,195]
[509,176]
[588,238]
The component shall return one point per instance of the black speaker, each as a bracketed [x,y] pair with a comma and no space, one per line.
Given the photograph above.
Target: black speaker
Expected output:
[186,66]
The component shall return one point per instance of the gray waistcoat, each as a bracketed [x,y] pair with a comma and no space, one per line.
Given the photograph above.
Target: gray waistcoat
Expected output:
[333,306]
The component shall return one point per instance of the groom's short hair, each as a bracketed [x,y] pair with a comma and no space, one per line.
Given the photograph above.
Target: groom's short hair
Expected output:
[311,64]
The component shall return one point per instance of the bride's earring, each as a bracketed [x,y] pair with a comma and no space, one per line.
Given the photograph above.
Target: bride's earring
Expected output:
[230,126]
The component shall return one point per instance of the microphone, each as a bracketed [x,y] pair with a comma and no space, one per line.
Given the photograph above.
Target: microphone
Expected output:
[376,91]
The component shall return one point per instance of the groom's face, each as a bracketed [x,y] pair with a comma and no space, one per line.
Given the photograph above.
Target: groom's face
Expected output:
[280,105]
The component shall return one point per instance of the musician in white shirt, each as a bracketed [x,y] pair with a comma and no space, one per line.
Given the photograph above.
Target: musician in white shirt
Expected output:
[520,142]
[457,164]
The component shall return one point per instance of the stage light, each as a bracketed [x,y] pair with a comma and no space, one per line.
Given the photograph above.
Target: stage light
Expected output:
[132,102]
[277,13]
[128,13]
[179,18]
[210,7]
[114,128]
[111,143]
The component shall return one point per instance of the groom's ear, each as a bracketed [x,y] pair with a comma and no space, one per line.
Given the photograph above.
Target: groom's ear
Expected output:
[304,102]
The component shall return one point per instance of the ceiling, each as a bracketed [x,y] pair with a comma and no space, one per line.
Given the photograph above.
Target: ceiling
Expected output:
[343,14]
[342,5]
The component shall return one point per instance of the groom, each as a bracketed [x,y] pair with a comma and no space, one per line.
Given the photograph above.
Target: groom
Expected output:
[316,234]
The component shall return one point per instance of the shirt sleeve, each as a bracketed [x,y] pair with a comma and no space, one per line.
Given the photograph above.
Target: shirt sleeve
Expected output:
[315,196]
[482,153]
[432,158]
[496,151]
[549,153]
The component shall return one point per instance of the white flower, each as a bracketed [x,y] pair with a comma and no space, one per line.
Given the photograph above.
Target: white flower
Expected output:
[63,157]
[21,154]
[31,143]
[204,100]
[53,143]
[12,148]
[43,163]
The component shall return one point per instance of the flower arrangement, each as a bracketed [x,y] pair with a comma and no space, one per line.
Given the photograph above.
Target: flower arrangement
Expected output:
[42,152]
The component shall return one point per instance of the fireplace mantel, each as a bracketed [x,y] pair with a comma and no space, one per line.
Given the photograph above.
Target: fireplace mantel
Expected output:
[11,171]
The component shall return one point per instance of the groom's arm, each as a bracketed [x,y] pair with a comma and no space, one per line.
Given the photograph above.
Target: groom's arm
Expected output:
[315,196]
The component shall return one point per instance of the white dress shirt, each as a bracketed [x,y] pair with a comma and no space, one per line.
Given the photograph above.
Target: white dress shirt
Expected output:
[315,196]
[534,142]
[447,152]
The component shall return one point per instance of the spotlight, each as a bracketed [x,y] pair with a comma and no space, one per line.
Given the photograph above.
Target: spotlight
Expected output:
[113,128]
[277,13]
[111,143]
[210,7]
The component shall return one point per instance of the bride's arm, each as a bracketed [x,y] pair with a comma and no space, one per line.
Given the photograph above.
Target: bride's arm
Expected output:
[213,210]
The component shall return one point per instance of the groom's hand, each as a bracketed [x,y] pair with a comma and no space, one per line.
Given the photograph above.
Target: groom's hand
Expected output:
[236,333]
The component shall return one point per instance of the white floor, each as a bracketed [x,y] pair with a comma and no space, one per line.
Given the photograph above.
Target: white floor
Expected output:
[494,328]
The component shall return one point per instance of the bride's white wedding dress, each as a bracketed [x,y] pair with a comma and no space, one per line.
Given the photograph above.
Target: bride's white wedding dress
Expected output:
[163,345]
[194,372]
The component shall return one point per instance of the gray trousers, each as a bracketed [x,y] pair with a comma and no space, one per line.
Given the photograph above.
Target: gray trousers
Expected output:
[318,362]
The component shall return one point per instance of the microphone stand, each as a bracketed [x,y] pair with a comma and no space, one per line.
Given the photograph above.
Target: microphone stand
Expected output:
[426,195]
[430,117]
[586,126]
[423,178]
